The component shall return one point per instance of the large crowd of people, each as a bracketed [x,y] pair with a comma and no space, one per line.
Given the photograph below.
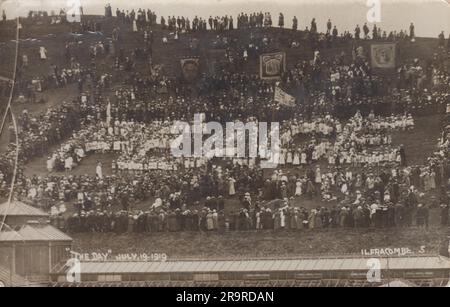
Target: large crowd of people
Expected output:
[345,115]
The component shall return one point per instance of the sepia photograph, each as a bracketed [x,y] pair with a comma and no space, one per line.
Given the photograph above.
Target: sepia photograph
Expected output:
[224,149]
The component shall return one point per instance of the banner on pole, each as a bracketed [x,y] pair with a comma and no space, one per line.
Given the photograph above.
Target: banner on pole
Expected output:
[284,98]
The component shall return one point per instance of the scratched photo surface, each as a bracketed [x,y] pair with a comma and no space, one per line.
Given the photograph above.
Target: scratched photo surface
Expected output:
[224,143]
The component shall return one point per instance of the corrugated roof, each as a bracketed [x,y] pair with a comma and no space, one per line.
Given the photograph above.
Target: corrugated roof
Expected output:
[34,233]
[336,265]
[308,265]
[18,208]
[266,265]
[191,265]
[110,268]
[294,265]
[399,284]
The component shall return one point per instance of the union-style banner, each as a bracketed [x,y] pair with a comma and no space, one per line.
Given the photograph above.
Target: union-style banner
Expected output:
[190,68]
[272,65]
[384,55]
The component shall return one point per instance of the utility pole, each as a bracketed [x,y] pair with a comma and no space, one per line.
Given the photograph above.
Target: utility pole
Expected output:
[388,272]
[388,277]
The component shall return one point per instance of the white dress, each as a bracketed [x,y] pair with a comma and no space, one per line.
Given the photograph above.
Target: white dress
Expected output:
[43,53]
[315,155]
[282,219]
[68,163]
[318,176]
[99,171]
[32,193]
[303,158]
[289,158]
[51,164]
[296,159]
[298,189]
[232,190]
[344,189]
[282,160]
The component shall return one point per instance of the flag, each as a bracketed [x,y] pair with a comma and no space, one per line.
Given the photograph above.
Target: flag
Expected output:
[284,98]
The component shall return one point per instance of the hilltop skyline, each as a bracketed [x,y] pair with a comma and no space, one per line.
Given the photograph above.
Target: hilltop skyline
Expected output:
[429,16]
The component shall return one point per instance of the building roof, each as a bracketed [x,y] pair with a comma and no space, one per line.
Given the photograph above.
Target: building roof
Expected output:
[18,208]
[35,233]
[293,265]
[399,284]
[11,280]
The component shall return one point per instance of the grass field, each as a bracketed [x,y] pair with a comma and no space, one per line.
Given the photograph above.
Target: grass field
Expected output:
[266,243]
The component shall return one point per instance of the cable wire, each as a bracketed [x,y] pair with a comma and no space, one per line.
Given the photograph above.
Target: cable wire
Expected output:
[9,110]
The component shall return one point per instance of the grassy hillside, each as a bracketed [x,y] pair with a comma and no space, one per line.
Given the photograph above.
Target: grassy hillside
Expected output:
[337,241]
[54,38]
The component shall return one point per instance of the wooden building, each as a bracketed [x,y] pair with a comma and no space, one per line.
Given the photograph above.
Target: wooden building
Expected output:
[29,247]
[18,213]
